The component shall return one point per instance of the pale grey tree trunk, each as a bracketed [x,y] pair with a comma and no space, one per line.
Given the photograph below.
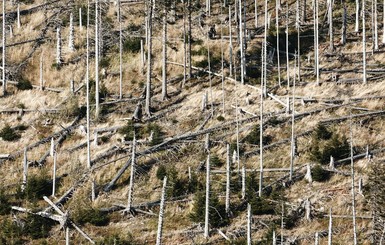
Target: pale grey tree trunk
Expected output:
[149,60]
[88,86]
[360,185]
[161,213]
[121,52]
[282,223]
[308,176]
[228,178]
[255,14]
[93,193]
[265,52]
[277,28]
[4,52]
[383,23]
[231,44]
[132,174]
[210,80]
[287,47]
[357,26]
[54,174]
[316,44]
[243,182]
[292,146]
[374,5]
[363,44]
[249,241]
[344,21]
[304,11]
[164,54]
[58,46]
[52,148]
[189,38]
[237,133]
[18,16]
[71,45]
[241,45]
[316,239]
[222,67]
[274,238]
[352,173]
[331,164]
[208,7]
[80,19]
[97,107]
[207,202]
[41,72]
[261,142]
[184,46]
[330,230]
[307,210]
[142,55]
[25,170]
[330,17]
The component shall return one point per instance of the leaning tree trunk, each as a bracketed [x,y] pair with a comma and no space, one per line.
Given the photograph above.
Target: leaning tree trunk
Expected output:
[363,44]
[149,60]
[164,53]
[97,107]
[4,51]
[161,213]
[207,204]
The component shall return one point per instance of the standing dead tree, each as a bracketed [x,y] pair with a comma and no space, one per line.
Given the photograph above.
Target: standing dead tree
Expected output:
[164,51]
[161,213]
[58,46]
[4,86]
[71,45]
[97,49]
[149,58]
[363,44]
[131,185]
[207,203]
[352,174]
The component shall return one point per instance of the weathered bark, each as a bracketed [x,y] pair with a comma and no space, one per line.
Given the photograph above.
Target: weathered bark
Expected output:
[357,26]
[71,45]
[330,17]
[164,53]
[121,53]
[231,44]
[243,182]
[363,44]
[292,145]
[25,170]
[352,174]
[149,60]
[80,19]
[316,44]
[277,29]
[255,14]
[18,16]
[207,203]
[54,174]
[375,24]
[4,86]
[88,87]
[97,106]
[132,174]
[161,213]
[190,38]
[58,47]
[261,142]
[383,23]
[287,47]
[344,23]
[228,178]
[241,45]
[330,230]
[249,241]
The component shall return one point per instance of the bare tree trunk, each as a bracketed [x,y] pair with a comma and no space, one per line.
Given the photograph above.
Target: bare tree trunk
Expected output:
[261,143]
[292,147]
[357,26]
[97,107]
[308,176]
[88,86]
[18,16]
[375,25]
[208,7]
[243,182]
[241,45]
[184,45]
[228,178]
[52,148]
[41,72]
[274,238]
[25,170]
[352,173]
[58,47]
[277,28]
[363,44]
[383,23]
[255,13]
[142,54]
[231,43]
[316,44]
[4,52]
[161,212]
[330,231]
[249,224]
[330,17]
[237,119]
[121,52]
[287,47]
[71,45]
[344,21]
[54,174]
[93,193]
[304,12]
[190,38]
[265,52]
[282,223]
[207,205]
[132,174]
[80,19]
[222,66]
[210,81]
[164,54]
[67,235]
[149,60]
[316,239]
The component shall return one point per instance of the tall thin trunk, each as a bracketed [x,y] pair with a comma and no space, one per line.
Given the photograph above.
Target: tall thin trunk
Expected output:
[287,47]
[261,143]
[4,51]
[80,19]
[58,46]
[357,26]
[249,224]
[241,45]
[25,170]
[164,54]
[97,107]
[298,42]
[41,72]
[383,23]
[149,60]
[353,180]
[184,45]
[190,38]
[363,44]
[375,26]
[161,213]
[344,21]
[316,44]
[330,15]
[210,80]
[142,55]
[71,45]
[237,120]
[222,66]
[88,86]
[120,52]
[330,230]
[54,174]
[304,11]
[132,174]
[277,28]
[231,43]
[292,146]
[243,182]
[265,52]
[316,239]
[255,14]
[228,178]
[282,223]
[207,203]
[18,16]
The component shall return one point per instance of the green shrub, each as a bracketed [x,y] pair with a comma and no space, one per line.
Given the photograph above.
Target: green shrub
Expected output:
[37,187]
[132,45]
[220,118]
[319,174]
[161,172]
[24,84]
[104,62]
[216,161]
[5,207]
[322,133]
[91,216]
[157,134]
[38,227]
[128,131]
[336,146]
[9,134]
[254,137]
[10,233]
[116,240]
[217,213]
